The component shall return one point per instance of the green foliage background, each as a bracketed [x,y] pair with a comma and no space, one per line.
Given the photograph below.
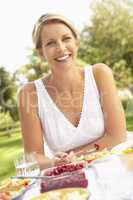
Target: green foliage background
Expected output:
[109,39]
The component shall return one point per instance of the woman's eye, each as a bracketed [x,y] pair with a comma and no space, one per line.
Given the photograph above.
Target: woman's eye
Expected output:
[67,38]
[50,43]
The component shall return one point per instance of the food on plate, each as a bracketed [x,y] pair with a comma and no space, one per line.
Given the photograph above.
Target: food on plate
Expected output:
[64,194]
[96,155]
[88,157]
[65,180]
[69,175]
[5,196]
[123,148]
[128,150]
[62,169]
[11,188]
[85,157]
[77,164]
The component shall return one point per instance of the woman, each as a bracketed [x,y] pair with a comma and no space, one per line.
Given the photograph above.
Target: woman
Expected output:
[70,109]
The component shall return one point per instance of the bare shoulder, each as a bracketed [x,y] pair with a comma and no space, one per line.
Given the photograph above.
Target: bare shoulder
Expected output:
[103,75]
[29,87]
[27,95]
[101,69]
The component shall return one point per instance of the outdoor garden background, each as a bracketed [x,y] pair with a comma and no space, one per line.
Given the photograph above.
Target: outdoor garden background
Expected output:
[108,38]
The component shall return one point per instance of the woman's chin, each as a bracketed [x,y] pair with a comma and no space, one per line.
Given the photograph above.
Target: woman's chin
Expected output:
[64,65]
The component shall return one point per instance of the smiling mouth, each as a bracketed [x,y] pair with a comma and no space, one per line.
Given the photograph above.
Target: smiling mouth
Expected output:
[63,58]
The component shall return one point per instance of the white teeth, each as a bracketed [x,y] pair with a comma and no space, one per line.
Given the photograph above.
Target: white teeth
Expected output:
[63,58]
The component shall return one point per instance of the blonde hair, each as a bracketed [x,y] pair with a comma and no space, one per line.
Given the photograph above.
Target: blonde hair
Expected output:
[45,19]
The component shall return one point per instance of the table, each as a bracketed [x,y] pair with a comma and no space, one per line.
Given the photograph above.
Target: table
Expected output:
[109,179]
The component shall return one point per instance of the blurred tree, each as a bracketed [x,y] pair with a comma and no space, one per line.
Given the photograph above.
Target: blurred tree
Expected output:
[109,38]
[122,74]
[8,94]
[35,69]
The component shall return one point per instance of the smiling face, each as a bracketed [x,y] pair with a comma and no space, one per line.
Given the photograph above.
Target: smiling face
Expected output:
[59,46]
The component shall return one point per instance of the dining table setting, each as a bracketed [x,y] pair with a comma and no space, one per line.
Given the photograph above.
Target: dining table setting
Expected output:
[93,175]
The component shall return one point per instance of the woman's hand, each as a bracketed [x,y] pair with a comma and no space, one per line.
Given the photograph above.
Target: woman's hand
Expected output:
[61,155]
[64,158]
[60,158]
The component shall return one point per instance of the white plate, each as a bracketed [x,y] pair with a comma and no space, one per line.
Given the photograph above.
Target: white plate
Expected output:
[19,195]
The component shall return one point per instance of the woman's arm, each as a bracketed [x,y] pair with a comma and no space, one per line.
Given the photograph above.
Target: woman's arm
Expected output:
[114,119]
[30,124]
[32,135]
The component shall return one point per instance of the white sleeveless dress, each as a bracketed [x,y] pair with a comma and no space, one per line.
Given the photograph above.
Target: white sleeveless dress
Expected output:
[60,133]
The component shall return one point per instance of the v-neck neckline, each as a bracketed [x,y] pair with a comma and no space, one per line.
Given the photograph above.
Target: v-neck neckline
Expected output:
[58,109]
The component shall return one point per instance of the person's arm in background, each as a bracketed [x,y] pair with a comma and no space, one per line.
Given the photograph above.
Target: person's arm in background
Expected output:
[114,119]
[30,125]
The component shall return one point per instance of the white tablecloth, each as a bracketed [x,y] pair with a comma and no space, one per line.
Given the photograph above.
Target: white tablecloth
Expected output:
[110,180]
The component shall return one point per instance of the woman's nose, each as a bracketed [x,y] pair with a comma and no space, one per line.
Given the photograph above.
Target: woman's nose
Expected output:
[60,46]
